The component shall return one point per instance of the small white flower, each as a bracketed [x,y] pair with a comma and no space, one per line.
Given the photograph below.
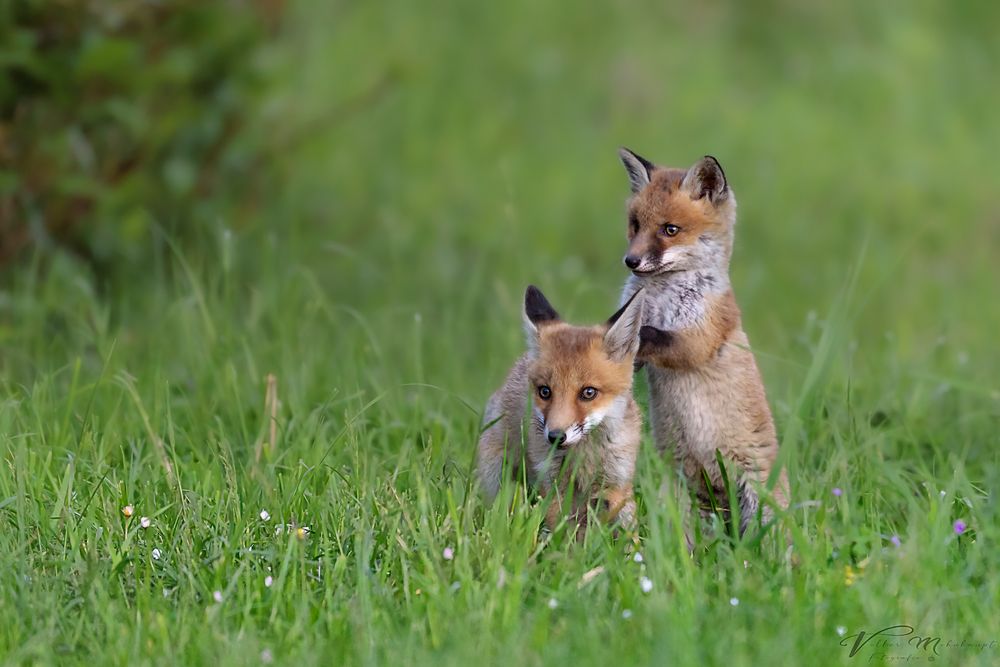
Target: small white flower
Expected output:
[128,511]
[637,557]
[646,584]
[145,522]
[268,581]
[217,596]
[266,656]
[448,553]
[553,603]
[279,529]
[166,592]
[265,515]
[156,554]
[626,614]
[734,602]
[841,630]
[942,493]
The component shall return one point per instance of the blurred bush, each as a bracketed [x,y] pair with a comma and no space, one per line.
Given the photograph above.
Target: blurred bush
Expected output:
[116,116]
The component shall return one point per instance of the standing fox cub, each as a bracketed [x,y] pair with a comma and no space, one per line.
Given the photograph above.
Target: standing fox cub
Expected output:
[706,393]
[579,429]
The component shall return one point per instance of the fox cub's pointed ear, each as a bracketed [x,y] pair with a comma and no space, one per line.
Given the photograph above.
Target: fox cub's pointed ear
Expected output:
[537,312]
[639,169]
[621,341]
[706,179]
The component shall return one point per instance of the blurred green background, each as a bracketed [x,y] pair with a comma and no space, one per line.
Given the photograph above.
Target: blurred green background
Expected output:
[354,195]
[413,159]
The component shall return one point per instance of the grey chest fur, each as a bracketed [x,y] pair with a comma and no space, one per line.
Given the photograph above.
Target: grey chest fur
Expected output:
[676,300]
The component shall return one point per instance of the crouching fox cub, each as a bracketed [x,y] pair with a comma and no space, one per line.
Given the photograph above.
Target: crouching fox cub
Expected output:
[566,410]
[705,392]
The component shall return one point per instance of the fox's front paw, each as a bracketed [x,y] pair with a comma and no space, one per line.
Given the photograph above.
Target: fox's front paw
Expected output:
[653,340]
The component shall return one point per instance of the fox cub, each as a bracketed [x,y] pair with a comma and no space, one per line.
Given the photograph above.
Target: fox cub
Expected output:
[566,410]
[706,393]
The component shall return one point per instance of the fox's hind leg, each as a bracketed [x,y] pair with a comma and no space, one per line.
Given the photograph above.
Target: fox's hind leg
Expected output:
[749,504]
[748,485]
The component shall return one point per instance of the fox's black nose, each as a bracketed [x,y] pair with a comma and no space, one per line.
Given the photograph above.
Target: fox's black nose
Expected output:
[631,261]
[557,437]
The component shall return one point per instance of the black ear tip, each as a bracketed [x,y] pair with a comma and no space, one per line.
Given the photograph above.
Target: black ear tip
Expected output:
[627,155]
[714,163]
[537,306]
[621,311]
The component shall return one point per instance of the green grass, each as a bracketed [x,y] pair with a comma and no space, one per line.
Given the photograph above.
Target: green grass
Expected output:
[428,164]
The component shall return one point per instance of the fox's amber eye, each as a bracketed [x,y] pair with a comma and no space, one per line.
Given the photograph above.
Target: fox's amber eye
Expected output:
[544,393]
[669,229]
[588,394]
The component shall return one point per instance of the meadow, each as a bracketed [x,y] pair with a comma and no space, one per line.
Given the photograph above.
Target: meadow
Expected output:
[425,163]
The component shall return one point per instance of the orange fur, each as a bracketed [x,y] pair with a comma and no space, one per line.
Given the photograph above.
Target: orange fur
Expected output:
[696,345]
[601,432]
[706,393]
